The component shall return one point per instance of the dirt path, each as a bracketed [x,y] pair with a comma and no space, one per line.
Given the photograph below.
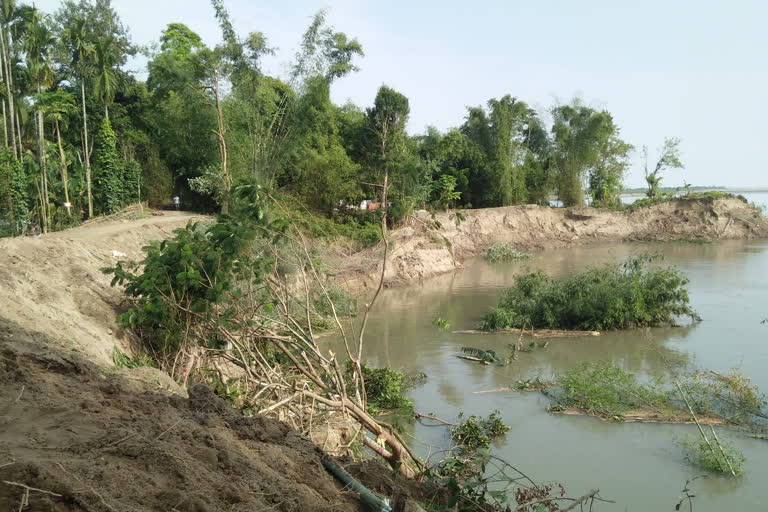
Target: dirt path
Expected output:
[53,283]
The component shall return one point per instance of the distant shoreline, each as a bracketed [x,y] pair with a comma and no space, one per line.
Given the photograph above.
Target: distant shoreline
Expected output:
[740,190]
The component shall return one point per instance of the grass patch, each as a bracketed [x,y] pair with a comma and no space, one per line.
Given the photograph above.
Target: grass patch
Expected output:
[123,360]
[505,252]
[699,454]
[612,296]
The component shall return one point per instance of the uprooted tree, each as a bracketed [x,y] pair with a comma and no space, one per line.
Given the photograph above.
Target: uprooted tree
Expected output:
[246,292]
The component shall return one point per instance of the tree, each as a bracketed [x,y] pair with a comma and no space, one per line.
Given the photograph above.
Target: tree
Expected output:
[107,170]
[57,107]
[669,158]
[579,134]
[106,76]
[386,123]
[605,177]
[38,45]
[80,48]
[13,192]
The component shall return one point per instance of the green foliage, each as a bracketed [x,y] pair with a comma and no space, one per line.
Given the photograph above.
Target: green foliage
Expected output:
[731,396]
[384,388]
[14,201]
[123,360]
[109,188]
[505,252]
[486,356]
[709,457]
[193,269]
[584,140]
[612,296]
[669,157]
[441,322]
[476,432]
[600,387]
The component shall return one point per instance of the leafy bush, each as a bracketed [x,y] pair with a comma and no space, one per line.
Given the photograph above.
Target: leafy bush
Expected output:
[384,388]
[441,322]
[728,395]
[699,453]
[194,269]
[473,433]
[603,388]
[612,296]
[505,252]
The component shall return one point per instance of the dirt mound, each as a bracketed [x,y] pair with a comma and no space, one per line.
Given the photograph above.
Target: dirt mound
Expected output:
[53,283]
[419,250]
[87,440]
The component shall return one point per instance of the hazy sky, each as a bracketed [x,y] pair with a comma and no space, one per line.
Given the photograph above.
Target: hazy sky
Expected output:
[692,69]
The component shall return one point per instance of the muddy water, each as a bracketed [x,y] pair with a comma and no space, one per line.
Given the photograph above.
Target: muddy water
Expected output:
[637,465]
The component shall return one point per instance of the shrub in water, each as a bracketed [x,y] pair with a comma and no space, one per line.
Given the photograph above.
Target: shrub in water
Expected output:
[604,388]
[474,432]
[504,252]
[700,454]
[612,296]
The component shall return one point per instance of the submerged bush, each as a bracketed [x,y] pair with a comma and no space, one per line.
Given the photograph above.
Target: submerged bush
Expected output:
[600,387]
[720,457]
[477,432]
[504,252]
[611,296]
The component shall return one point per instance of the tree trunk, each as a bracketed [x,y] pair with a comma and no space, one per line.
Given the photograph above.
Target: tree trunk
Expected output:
[86,154]
[9,95]
[63,168]
[222,147]
[43,169]
[18,131]
[5,126]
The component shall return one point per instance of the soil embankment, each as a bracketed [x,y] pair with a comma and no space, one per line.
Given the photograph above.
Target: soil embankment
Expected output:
[53,283]
[420,250]
[75,438]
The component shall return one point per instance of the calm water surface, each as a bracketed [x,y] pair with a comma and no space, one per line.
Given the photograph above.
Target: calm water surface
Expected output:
[637,465]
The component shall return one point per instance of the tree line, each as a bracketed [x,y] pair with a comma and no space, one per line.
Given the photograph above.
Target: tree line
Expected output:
[83,136]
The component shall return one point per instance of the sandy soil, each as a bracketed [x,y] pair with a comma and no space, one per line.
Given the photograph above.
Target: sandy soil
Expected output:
[88,440]
[53,283]
[420,251]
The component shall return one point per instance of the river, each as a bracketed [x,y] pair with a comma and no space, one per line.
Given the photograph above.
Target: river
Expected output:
[638,465]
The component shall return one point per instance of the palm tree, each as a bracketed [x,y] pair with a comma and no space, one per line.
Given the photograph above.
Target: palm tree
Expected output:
[57,107]
[105,63]
[38,45]
[81,50]
[8,13]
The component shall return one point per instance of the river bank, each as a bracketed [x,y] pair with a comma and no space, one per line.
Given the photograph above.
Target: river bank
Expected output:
[428,246]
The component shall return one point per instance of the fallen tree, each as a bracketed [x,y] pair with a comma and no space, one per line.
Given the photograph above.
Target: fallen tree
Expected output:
[241,296]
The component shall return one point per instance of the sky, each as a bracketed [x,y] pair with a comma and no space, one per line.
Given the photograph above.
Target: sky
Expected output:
[696,70]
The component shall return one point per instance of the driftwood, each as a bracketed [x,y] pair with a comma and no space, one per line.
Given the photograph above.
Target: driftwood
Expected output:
[536,333]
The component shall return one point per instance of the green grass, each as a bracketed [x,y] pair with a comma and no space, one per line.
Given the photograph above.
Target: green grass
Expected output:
[612,296]
[123,360]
